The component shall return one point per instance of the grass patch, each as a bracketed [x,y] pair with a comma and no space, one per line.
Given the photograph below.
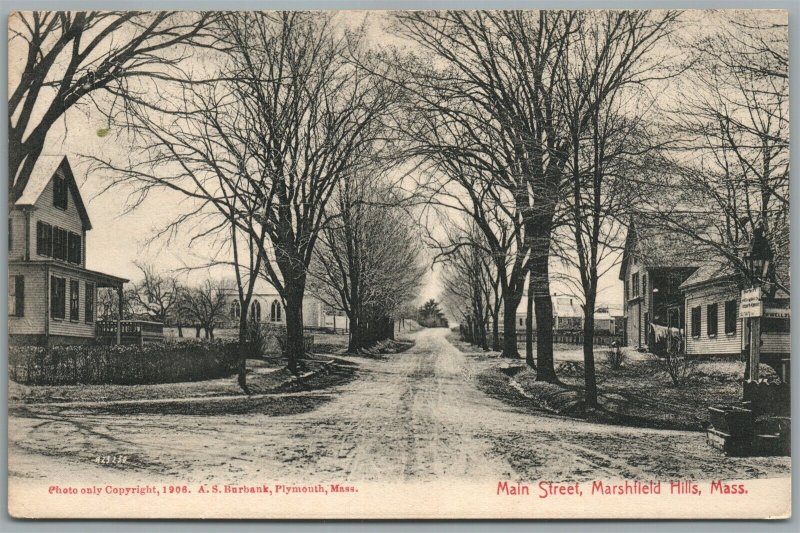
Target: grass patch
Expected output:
[638,394]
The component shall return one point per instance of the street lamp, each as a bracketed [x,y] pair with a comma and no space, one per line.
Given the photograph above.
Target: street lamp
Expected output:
[758,257]
[758,260]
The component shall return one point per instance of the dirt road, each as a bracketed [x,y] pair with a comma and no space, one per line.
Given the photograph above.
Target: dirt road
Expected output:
[415,416]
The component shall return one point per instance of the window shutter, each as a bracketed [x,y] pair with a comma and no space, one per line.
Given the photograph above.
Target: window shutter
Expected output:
[88,312]
[712,321]
[39,238]
[74,246]
[19,295]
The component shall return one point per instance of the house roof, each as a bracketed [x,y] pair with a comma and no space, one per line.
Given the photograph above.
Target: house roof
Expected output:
[723,270]
[710,272]
[654,245]
[43,171]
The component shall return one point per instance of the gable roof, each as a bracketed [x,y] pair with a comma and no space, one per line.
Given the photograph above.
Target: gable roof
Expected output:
[43,171]
[722,270]
[710,272]
[656,246]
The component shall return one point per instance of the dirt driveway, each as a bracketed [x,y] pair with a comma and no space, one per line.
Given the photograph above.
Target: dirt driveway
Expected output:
[412,416]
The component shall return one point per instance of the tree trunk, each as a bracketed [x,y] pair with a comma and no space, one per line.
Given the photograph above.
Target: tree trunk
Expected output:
[588,356]
[180,329]
[529,326]
[356,341]
[496,330]
[540,229]
[510,327]
[244,345]
[294,328]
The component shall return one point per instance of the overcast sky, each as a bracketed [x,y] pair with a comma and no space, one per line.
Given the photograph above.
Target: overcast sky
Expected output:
[120,238]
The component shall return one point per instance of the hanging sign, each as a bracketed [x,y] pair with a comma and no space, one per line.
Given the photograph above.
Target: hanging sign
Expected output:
[773,312]
[750,304]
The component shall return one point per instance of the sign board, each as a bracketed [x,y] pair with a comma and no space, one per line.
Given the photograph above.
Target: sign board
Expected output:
[774,312]
[751,305]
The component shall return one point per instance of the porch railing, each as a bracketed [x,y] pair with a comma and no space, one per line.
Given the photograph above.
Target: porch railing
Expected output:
[131,331]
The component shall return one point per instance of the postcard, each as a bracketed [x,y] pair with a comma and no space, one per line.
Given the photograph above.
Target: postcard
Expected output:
[399,264]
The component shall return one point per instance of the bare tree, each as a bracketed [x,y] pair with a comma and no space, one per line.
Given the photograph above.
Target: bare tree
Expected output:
[108,304]
[205,305]
[155,294]
[602,95]
[67,57]
[294,114]
[470,289]
[728,167]
[367,260]
[495,97]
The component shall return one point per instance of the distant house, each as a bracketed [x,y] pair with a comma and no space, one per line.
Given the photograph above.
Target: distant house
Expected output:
[714,328]
[266,307]
[51,294]
[654,265]
[568,315]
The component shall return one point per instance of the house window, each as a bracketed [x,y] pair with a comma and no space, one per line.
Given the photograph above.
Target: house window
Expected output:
[60,194]
[16,295]
[730,316]
[59,243]
[74,299]
[74,248]
[696,321]
[236,310]
[275,311]
[44,239]
[635,284]
[58,294]
[88,303]
[255,311]
[711,320]
[644,284]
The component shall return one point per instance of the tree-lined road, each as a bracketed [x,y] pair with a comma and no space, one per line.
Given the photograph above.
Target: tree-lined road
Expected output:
[413,416]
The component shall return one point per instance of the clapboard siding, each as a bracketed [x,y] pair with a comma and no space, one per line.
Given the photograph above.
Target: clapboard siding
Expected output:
[77,328]
[635,306]
[33,323]
[773,343]
[722,343]
[68,219]
[18,220]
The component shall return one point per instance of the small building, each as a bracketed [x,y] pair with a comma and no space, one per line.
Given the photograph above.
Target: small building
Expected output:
[266,307]
[654,264]
[52,296]
[568,315]
[714,329]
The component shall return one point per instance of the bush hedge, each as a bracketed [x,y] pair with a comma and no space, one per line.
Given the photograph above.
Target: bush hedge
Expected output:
[165,362]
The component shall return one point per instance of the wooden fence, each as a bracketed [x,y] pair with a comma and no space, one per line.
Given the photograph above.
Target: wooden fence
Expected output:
[575,337]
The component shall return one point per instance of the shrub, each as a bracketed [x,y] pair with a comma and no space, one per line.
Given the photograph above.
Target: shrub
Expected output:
[257,340]
[677,366]
[615,358]
[167,362]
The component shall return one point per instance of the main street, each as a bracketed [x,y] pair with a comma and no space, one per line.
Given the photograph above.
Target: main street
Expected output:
[413,416]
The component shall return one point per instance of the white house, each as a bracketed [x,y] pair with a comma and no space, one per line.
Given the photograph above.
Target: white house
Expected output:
[567,314]
[266,307]
[51,294]
[714,328]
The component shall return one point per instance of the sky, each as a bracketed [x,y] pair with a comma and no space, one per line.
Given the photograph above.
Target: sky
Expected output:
[121,238]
